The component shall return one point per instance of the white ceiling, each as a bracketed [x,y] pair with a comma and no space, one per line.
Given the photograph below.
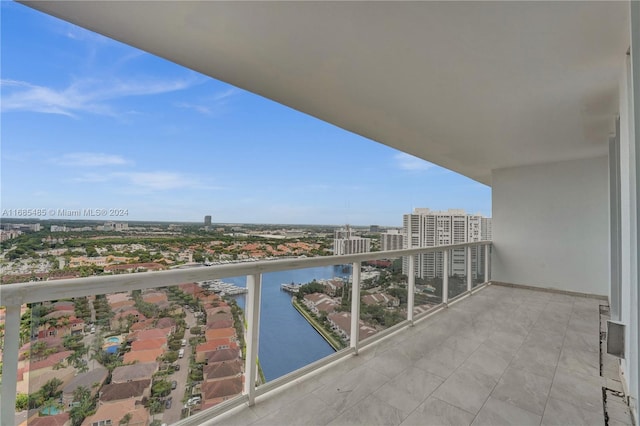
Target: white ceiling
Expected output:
[470,86]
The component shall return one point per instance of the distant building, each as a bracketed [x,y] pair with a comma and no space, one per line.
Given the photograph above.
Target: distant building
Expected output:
[346,242]
[374,228]
[391,240]
[427,228]
[115,226]
[58,228]
[207,220]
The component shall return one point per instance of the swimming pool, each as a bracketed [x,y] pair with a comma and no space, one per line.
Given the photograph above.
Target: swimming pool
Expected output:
[113,339]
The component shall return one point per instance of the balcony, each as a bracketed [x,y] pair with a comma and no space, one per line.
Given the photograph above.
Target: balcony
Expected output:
[485,354]
[539,100]
[355,321]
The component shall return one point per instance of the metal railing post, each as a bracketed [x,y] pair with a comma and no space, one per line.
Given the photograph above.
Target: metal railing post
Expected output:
[445,277]
[411,288]
[355,308]
[487,253]
[469,274]
[254,285]
[10,364]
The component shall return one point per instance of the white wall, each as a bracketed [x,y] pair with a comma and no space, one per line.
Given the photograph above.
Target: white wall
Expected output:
[551,225]
[629,239]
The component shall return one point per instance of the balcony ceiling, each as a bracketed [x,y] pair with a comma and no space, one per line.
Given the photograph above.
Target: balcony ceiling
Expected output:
[469,86]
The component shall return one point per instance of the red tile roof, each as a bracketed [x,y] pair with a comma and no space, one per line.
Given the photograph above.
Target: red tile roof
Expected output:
[143,345]
[149,355]
[220,370]
[221,388]
[117,391]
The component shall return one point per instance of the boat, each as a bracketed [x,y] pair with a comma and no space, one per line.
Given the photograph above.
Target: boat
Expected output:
[290,288]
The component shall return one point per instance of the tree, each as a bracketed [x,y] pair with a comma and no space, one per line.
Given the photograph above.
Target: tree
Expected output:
[22,401]
[161,388]
[125,419]
[83,405]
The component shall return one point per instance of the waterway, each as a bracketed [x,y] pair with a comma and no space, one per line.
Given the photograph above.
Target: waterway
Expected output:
[287,341]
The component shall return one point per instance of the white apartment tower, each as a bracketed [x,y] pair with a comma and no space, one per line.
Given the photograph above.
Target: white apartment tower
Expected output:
[391,240]
[427,228]
[346,242]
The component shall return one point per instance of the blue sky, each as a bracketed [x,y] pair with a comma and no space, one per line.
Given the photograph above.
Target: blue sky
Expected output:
[88,122]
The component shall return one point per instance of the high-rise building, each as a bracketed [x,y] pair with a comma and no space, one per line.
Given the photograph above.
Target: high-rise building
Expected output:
[391,240]
[427,228]
[207,220]
[346,242]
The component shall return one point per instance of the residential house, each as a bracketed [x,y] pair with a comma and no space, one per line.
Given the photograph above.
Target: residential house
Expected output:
[149,355]
[222,370]
[62,419]
[123,319]
[202,350]
[215,392]
[130,373]
[341,323]
[381,299]
[333,286]
[220,323]
[222,355]
[147,344]
[32,375]
[92,380]
[220,333]
[137,390]
[112,413]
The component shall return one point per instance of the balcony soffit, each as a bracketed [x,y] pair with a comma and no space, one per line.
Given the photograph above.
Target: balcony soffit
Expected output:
[471,86]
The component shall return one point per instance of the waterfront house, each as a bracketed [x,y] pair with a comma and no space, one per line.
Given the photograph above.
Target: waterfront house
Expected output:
[341,323]
[220,333]
[215,392]
[203,351]
[213,357]
[381,299]
[222,370]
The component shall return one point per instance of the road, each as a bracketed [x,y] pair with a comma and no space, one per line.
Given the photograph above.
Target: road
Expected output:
[173,414]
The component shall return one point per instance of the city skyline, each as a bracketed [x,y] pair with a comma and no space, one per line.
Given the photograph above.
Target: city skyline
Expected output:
[118,128]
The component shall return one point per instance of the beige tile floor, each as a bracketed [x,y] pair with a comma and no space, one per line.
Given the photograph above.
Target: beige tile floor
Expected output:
[504,356]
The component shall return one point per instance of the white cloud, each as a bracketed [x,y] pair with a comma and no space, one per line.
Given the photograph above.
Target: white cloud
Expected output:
[212,105]
[405,161]
[90,159]
[159,180]
[82,96]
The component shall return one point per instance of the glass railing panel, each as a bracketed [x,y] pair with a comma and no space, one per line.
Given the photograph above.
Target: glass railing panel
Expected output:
[383,296]
[457,270]
[428,280]
[133,353]
[477,259]
[302,317]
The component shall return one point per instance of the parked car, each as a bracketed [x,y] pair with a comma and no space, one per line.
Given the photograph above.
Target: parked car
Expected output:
[194,400]
[176,367]
[174,384]
[167,402]
[180,353]
[183,342]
